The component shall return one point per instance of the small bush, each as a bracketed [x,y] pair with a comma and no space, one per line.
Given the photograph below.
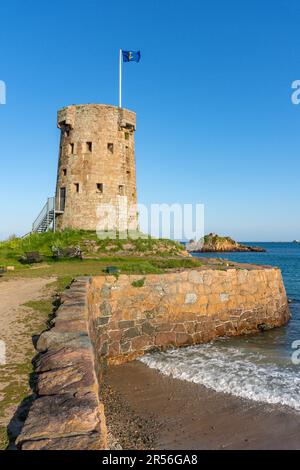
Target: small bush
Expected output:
[138,282]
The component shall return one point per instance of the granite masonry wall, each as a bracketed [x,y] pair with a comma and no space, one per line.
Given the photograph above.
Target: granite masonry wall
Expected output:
[110,320]
[132,315]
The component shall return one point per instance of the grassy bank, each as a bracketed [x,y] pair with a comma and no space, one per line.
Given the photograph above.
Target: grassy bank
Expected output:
[133,255]
[93,267]
[91,246]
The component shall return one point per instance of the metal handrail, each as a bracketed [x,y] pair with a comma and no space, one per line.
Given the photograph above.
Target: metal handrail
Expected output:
[44,214]
[35,223]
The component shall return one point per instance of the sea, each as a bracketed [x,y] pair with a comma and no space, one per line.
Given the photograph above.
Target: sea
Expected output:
[262,367]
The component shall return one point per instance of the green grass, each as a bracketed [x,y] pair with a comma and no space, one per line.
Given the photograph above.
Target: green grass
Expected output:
[213,239]
[61,283]
[138,282]
[66,270]
[14,393]
[3,438]
[43,306]
[177,263]
[138,254]
[13,249]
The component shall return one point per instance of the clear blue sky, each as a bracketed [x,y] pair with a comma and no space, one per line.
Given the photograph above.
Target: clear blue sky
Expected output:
[212,94]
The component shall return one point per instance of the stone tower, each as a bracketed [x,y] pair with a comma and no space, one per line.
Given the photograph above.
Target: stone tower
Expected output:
[96,165]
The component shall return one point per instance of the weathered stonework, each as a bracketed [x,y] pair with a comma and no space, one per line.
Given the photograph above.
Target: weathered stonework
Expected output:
[96,166]
[108,319]
[182,308]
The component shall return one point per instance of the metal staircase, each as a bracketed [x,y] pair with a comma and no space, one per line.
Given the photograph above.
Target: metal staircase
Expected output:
[45,220]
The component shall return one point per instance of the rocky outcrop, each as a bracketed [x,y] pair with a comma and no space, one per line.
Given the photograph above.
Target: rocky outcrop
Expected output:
[215,243]
[67,413]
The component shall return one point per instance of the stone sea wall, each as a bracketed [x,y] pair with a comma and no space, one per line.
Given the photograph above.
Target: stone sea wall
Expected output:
[110,320]
[134,314]
[67,412]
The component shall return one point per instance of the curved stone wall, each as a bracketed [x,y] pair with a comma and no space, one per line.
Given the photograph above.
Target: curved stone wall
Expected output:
[115,319]
[135,314]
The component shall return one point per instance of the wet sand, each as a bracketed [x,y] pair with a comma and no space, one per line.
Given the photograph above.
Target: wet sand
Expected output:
[147,410]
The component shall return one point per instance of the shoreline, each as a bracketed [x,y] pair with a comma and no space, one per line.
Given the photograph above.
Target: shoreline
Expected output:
[148,410]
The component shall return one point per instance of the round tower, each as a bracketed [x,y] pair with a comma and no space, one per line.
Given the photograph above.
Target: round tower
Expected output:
[96,165]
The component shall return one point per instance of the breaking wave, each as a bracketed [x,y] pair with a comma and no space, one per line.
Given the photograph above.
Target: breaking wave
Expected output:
[227,368]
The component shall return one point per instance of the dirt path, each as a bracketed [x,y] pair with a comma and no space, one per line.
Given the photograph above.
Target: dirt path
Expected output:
[18,324]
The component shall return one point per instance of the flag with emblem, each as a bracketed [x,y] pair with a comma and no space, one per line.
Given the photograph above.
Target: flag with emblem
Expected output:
[131,56]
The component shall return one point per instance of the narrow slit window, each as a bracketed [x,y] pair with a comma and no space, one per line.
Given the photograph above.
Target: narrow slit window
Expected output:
[64,172]
[89,146]
[62,199]
[76,185]
[110,147]
[71,147]
[121,190]
[100,188]
[126,135]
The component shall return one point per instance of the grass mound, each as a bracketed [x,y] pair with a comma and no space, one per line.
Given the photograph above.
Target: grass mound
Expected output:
[92,247]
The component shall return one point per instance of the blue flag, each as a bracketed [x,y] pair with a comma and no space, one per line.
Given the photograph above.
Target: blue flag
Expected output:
[131,56]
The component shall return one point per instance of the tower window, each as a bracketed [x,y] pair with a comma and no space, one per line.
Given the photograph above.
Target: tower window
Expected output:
[110,147]
[65,128]
[71,148]
[62,199]
[89,146]
[100,188]
[128,173]
[64,171]
[76,185]
[121,190]
[126,135]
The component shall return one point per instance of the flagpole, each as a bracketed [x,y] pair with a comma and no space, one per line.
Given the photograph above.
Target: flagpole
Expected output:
[120,78]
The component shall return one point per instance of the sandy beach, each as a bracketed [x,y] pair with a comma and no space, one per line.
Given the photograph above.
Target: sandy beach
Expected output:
[147,410]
